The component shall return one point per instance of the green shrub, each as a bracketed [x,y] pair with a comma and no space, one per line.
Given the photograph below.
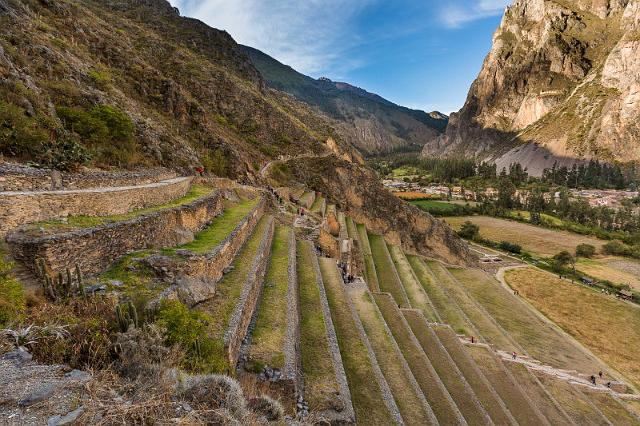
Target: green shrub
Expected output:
[188,329]
[616,248]
[585,250]
[20,135]
[105,129]
[510,247]
[469,231]
[215,162]
[101,78]
[66,154]
[12,298]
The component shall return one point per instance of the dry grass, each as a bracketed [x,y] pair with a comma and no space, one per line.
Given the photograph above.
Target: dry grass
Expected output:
[608,327]
[618,270]
[481,321]
[317,366]
[365,391]
[534,334]
[465,363]
[449,312]
[504,385]
[370,274]
[536,240]
[387,277]
[426,377]
[390,361]
[612,409]
[412,195]
[574,402]
[536,392]
[417,296]
[445,367]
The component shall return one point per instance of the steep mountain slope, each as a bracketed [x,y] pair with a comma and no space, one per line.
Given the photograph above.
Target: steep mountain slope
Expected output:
[561,83]
[374,124]
[131,83]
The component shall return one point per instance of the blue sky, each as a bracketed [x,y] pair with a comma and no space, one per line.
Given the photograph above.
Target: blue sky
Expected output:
[422,54]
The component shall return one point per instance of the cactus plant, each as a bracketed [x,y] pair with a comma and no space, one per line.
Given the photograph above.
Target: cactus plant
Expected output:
[126,316]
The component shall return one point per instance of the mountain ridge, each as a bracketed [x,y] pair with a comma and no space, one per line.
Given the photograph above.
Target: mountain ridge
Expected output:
[374,124]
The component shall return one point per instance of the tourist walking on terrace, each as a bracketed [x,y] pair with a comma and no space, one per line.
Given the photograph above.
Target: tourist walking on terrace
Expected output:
[514,355]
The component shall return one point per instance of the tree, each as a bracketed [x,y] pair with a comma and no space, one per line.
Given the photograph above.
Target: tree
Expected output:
[469,231]
[564,259]
[585,250]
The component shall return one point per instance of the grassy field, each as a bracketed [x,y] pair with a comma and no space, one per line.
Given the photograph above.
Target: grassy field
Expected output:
[352,231]
[489,399]
[365,392]
[229,289]
[535,335]
[220,228]
[317,365]
[608,327]
[618,270]
[267,341]
[427,378]
[194,193]
[448,312]
[370,274]
[411,407]
[536,240]
[502,382]
[446,369]
[417,295]
[387,278]
[436,206]
[482,322]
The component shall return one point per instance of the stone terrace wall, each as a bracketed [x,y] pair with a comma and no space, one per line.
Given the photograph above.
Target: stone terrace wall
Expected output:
[95,249]
[18,177]
[18,208]
[251,290]
[292,370]
[210,267]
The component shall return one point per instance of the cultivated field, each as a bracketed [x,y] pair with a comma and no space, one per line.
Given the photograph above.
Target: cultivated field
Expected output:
[608,327]
[615,269]
[540,241]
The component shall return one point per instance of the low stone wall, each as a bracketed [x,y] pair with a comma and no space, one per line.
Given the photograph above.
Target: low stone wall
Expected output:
[208,269]
[251,290]
[346,416]
[292,370]
[18,208]
[95,249]
[18,177]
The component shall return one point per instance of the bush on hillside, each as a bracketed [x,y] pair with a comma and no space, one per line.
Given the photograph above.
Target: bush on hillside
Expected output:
[585,250]
[469,231]
[12,298]
[187,329]
[510,247]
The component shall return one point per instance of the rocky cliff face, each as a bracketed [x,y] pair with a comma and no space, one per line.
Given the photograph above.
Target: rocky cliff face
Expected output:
[370,122]
[561,84]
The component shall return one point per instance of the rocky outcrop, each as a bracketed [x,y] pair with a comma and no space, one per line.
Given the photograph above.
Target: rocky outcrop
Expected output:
[560,84]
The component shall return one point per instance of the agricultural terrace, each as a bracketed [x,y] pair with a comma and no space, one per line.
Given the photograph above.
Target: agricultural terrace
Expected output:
[536,240]
[608,327]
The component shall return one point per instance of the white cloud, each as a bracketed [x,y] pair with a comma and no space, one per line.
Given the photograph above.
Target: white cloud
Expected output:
[455,13]
[311,36]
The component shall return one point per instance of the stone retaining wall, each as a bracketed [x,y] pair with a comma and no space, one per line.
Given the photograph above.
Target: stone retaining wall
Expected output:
[18,208]
[251,290]
[210,267]
[292,370]
[348,414]
[95,249]
[18,177]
